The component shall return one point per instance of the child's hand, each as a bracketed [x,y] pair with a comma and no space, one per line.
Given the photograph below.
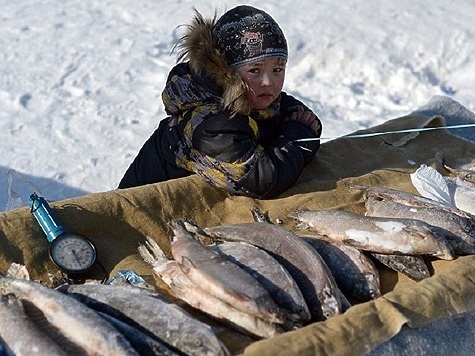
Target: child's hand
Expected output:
[306,117]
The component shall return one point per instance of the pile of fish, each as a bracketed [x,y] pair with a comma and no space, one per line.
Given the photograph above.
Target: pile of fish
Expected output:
[259,278]
[238,284]
[462,187]
[97,319]
[398,229]
[264,279]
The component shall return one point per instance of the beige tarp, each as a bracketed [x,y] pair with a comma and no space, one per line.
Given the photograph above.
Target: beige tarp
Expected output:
[117,221]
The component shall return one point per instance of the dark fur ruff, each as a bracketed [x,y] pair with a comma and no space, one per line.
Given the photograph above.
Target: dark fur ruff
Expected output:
[197,47]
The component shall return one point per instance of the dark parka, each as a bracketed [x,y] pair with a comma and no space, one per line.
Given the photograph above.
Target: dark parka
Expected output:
[213,131]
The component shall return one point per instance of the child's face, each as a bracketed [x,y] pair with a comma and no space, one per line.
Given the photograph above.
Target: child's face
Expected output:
[265,80]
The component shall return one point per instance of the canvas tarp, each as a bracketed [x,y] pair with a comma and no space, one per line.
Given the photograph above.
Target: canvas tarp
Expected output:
[118,221]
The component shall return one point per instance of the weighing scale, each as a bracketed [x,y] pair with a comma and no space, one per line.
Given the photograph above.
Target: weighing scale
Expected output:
[71,253]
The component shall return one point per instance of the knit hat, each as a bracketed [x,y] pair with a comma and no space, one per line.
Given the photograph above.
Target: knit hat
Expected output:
[245,34]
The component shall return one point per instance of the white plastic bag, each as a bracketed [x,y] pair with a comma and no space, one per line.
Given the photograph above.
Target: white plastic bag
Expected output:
[14,199]
[431,184]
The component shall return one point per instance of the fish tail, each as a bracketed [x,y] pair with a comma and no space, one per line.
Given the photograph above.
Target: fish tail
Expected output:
[355,186]
[176,224]
[152,253]
[193,227]
[260,216]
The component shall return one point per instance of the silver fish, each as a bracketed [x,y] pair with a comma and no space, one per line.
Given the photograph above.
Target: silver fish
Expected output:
[78,323]
[142,342]
[465,174]
[270,273]
[172,274]
[412,266]
[459,231]
[20,335]
[354,272]
[198,298]
[304,264]
[222,278]
[149,312]
[382,235]
[462,193]
[406,198]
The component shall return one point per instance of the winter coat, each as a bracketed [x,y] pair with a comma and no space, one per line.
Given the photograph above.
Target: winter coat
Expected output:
[212,130]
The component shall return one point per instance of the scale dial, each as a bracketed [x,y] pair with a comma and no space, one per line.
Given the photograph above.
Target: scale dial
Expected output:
[73,253]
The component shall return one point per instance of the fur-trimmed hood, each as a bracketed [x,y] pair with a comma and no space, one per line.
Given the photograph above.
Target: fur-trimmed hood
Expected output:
[198,48]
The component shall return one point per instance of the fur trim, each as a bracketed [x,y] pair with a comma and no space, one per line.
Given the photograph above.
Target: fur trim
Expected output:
[197,47]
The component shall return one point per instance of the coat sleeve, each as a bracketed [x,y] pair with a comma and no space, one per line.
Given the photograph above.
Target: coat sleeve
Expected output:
[227,152]
[296,130]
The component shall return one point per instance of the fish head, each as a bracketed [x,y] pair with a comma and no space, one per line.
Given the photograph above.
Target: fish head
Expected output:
[299,215]
[298,314]
[428,236]
[446,251]
[330,303]
[373,285]
[469,176]
[203,344]
[372,291]
[422,272]
[366,291]
[330,310]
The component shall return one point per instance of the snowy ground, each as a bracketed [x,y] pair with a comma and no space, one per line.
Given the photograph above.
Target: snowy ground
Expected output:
[80,80]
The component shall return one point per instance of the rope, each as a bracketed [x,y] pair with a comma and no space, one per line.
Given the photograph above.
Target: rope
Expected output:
[371,134]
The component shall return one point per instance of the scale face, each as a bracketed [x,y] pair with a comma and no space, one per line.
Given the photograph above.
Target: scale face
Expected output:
[73,253]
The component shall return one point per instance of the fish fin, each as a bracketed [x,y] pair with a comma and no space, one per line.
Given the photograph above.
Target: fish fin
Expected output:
[191,226]
[176,224]
[355,186]
[199,233]
[450,169]
[415,231]
[302,226]
[18,271]
[314,237]
[152,253]
[352,242]
[186,265]
[146,255]
[259,215]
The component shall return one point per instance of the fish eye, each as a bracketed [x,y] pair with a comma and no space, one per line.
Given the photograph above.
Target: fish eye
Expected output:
[197,342]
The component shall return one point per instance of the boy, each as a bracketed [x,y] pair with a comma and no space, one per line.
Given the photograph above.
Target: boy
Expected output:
[229,121]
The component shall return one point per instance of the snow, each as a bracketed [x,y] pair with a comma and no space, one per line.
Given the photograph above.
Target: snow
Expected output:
[80,80]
